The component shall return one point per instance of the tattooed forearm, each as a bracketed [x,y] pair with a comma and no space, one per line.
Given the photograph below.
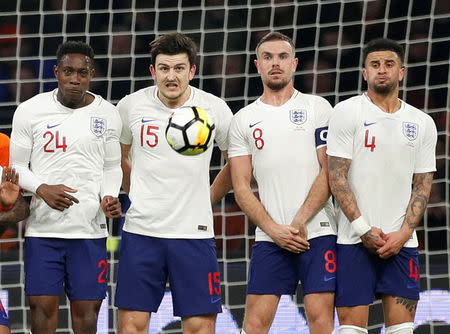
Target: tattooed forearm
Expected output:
[419,199]
[338,170]
[409,304]
[19,212]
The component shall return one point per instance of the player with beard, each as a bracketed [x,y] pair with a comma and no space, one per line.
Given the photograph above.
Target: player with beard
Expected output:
[378,145]
[281,139]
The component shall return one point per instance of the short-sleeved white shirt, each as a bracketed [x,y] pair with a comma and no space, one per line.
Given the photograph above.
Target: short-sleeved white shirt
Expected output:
[169,192]
[282,143]
[386,150]
[67,147]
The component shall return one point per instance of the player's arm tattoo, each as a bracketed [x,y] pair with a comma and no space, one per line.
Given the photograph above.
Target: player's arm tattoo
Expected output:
[409,304]
[419,199]
[340,188]
[18,212]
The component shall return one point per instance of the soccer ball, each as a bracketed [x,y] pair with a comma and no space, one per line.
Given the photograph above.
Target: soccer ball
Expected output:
[189,131]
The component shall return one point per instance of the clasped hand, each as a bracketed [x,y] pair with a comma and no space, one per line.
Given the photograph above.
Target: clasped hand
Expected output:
[385,245]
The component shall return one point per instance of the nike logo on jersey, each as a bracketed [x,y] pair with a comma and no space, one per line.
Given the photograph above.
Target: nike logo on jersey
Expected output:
[411,286]
[326,279]
[368,124]
[147,120]
[52,126]
[252,125]
[215,300]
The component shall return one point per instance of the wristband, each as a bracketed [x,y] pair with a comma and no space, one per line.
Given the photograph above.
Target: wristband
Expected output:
[360,226]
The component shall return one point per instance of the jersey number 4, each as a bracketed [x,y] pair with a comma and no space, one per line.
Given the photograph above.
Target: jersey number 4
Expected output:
[413,270]
[366,143]
[54,142]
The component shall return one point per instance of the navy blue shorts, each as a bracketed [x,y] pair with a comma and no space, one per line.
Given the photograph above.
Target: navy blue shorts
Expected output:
[79,265]
[362,275]
[190,265]
[276,271]
[3,316]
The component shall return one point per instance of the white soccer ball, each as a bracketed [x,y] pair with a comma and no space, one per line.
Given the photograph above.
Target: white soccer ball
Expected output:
[190,131]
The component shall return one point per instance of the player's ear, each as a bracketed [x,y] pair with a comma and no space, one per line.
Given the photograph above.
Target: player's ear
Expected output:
[402,73]
[256,64]
[364,73]
[192,72]
[295,63]
[152,71]
[55,70]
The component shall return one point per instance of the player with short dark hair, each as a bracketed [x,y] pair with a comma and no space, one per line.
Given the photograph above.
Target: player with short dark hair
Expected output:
[377,146]
[65,145]
[280,139]
[384,44]
[71,47]
[173,44]
[168,232]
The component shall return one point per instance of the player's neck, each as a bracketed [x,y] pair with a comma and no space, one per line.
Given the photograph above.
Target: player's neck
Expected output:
[388,103]
[83,102]
[279,97]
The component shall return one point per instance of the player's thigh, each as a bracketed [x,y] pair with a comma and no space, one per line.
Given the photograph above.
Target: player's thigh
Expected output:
[193,263]
[131,321]
[318,266]
[142,272]
[260,311]
[81,309]
[273,270]
[398,310]
[43,306]
[201,324]
[399,275]
[356,276]
[320,307]
[4,329]
[44,266]
[87,269]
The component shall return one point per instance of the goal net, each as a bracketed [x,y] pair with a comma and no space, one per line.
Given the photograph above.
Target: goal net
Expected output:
[328,35]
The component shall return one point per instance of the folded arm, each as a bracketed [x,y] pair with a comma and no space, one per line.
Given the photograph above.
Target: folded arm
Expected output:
[284,236]
[318,195]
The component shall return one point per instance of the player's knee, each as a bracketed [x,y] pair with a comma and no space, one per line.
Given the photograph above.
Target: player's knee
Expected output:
[199,324]
[256,325]
[85,313]
[321,323]
[348,329]
[403,328]
[132,328]
[41,311]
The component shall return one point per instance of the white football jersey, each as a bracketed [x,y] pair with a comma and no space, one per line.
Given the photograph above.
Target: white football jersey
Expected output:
[67,147]
[283,143]
[169,192]
[386,150]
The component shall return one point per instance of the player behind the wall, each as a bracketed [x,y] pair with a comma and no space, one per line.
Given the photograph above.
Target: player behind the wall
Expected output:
[13,207]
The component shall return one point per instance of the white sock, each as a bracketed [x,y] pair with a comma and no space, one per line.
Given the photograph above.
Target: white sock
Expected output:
[348,329]
[403,328]
[242,331]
